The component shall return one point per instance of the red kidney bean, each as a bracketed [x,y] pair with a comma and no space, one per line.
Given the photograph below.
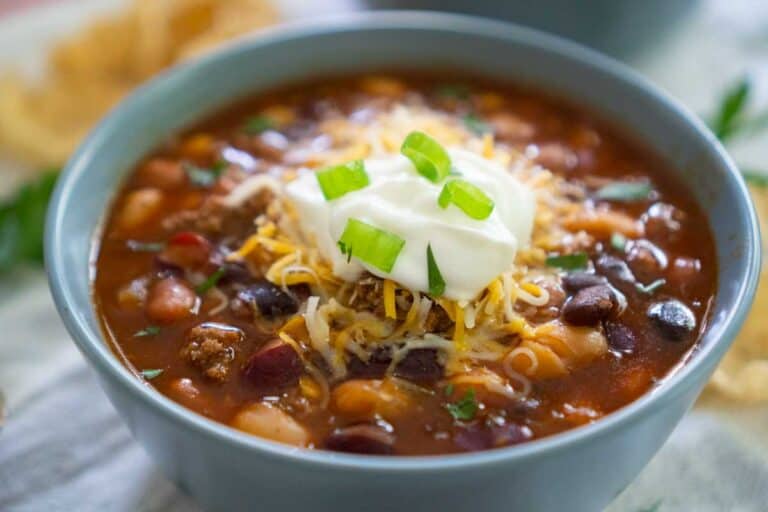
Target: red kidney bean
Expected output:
[276,365]
[576,281]
[673,319]
[590,305]
[420,365]
[270,300]
[620,337]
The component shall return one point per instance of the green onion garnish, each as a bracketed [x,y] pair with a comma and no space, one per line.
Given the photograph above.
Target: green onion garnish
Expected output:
[618,242]
[476,125]
[370,244]
[651,287]
[427,155]
[136,246]
[210,281]
[625,191]
[572,261]
[338,180]
[469,198]
[466,408]
[150,330]
[151,374]
[436,281]
[258,124]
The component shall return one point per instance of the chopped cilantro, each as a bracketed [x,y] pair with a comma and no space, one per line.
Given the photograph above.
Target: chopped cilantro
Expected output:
[466,408]
[210,281]
[651,287]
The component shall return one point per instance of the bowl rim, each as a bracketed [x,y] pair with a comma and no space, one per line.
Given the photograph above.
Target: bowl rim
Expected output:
[93,346]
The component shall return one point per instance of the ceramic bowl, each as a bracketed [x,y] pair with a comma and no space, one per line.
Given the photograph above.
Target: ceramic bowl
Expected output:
[226,470]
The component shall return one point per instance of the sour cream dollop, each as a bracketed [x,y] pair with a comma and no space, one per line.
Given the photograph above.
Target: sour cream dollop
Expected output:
[469,253]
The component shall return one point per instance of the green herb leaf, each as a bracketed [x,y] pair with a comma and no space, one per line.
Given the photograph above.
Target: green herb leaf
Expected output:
[476,125]
[436,281]
[137,246]
[574,261]
[625,191]
[453,91]
[618,242]
[448,389]
[371,245]
[466,408]
[731,111]
[339,180]
[210,281]
[258,124]
[22,221]
[467,197]
[151,374]
[427,155]
[150,330]
[651,287]
[204,177]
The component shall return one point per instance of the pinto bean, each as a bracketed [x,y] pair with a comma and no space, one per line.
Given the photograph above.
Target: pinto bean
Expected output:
[363,439]
[276,365]
[576,281]
[162,173]
[139,207]
[170,300]
[589,306]
[265,420]
[270,300]
[673,319]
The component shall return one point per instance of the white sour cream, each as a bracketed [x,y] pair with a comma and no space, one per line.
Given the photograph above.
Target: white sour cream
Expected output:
[469,253]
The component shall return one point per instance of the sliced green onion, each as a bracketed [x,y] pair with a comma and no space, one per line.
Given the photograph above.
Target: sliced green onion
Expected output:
[371,245]
[210,281]
[466,408]
[625,191]
[572,261]
[436,281]
[151,374]
[341,179]
[618,242]
[651,287]
[476,125]
[469,198]
[136,246]
[427,155]
[258,124]
[151,330]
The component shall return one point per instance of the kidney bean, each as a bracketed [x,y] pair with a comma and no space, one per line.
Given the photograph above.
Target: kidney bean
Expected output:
[276,365]
[478,436]
[646,260]
[620,337]
[576,281]
[270,300]
[170,300]
[374,368]
[589,306]
[363,439]
[673,319]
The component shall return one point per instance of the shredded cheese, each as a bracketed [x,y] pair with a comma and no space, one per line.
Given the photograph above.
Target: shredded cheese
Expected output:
[390,311]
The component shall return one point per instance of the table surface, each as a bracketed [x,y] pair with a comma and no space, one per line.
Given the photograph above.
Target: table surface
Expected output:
[64,448]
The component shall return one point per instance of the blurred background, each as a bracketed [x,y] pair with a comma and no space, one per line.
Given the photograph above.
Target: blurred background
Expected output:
[65,63]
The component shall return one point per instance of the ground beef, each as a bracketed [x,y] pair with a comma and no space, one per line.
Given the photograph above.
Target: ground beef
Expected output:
[211,349]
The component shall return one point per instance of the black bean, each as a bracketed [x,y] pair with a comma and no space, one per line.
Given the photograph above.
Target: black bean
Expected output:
[590,305]
[420,365]
[479,436]
[363,439]
[673,319]
[270,300]
[374,368]
[620,337]
[576,281]
[617,271]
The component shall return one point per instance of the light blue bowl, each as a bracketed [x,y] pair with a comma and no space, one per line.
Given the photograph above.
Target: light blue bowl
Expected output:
[581,470]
